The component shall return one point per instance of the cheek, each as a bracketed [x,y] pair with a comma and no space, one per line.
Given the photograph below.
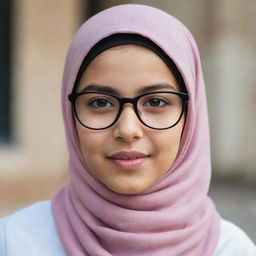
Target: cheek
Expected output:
[167,144]
[168,147]
[90,142]
[92,148]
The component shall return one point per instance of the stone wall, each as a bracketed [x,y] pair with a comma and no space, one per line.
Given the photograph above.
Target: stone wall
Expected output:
[36,163]
[226,36]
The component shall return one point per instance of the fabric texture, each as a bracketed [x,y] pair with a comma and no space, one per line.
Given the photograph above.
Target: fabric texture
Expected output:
[175,214]
[25,234]
[124,39]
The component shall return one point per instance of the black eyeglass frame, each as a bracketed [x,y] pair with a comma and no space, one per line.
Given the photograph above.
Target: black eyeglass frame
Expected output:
[134,101]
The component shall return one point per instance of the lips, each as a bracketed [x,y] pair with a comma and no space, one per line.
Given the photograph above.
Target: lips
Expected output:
[127,159]
[128,155]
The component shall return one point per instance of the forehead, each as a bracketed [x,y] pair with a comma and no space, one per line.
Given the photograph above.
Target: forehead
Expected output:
[125,55]
[127,68]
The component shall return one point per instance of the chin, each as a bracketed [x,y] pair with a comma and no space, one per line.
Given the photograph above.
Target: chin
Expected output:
[128,189]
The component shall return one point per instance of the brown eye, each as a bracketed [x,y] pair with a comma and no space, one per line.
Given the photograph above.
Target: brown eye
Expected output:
[155,102]
[101,103]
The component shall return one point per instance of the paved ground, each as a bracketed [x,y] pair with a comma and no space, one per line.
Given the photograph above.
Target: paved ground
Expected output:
[237,203]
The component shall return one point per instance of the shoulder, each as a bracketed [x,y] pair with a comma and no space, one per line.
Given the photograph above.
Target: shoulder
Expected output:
[233,241]
[30,231]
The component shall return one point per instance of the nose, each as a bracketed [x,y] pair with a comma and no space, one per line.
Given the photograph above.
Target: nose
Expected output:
[128,127]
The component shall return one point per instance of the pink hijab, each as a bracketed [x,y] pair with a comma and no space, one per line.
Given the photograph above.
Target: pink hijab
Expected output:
[173,217]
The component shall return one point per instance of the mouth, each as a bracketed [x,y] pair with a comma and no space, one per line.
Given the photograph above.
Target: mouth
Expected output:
[128,160]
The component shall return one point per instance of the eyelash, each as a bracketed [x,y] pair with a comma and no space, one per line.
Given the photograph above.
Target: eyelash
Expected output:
[161,100]
[94,100]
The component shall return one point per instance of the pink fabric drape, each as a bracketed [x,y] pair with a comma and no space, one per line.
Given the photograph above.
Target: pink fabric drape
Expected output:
[173,217]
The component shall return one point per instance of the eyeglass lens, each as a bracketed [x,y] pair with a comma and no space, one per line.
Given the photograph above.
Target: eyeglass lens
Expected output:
[157,110]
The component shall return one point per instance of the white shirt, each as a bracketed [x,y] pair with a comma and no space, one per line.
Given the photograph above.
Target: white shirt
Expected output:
[32,232]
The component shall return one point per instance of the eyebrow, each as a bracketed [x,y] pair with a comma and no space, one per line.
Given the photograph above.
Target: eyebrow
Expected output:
[156,87]
[107,89]
[99,88]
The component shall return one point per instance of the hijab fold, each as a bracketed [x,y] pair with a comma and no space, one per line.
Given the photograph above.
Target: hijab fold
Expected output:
[174,216]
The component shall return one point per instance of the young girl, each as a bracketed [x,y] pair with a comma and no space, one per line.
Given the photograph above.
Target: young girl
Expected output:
[135,115]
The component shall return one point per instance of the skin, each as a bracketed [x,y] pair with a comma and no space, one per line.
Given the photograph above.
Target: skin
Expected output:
[127,69]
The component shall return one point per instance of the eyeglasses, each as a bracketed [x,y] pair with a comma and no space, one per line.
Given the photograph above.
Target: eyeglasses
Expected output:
[157,110]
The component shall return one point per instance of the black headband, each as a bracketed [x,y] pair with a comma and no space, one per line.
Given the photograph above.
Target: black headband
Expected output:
[124,39]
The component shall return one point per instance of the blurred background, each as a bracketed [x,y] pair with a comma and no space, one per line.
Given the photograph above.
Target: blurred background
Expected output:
[34,37]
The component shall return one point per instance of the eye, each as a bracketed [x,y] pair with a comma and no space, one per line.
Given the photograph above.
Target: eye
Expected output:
[155,102]
[101,103]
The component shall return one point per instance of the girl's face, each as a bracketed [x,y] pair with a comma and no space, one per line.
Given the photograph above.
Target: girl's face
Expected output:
[128,157]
